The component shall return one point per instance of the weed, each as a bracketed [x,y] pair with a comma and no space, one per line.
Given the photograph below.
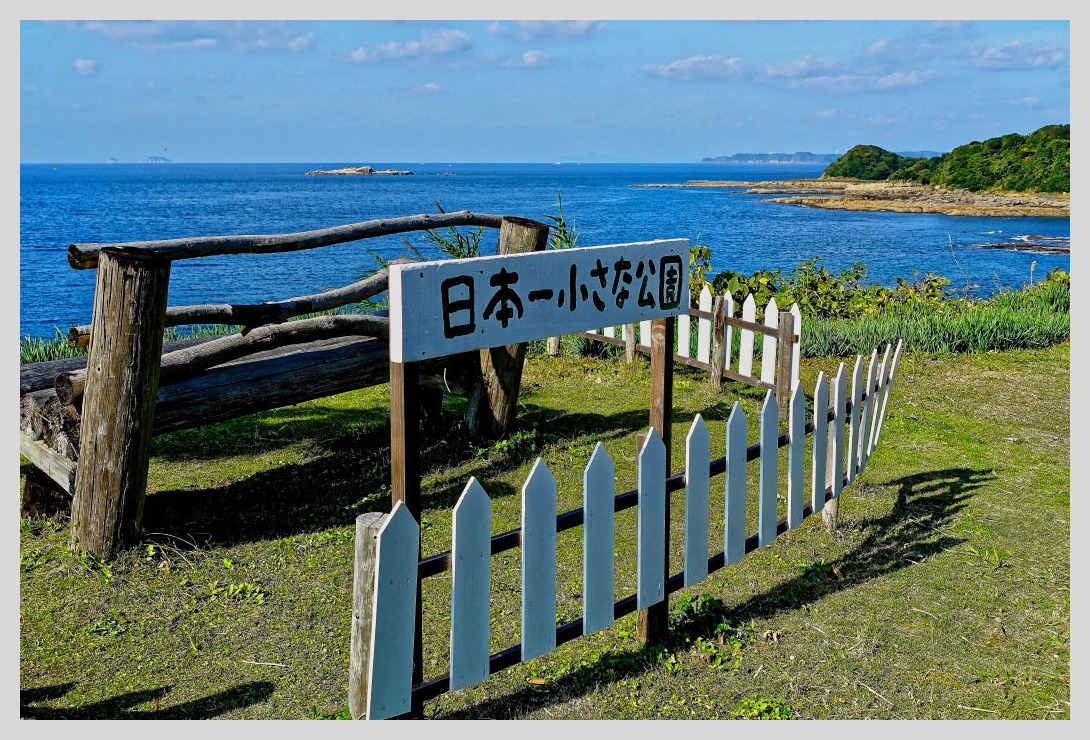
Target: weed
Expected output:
[758,707]
[111,625]
[995,556]
[90,563]
[31,560]
[244,592]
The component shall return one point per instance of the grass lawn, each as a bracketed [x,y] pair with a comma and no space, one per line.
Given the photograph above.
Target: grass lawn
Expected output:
[943,594]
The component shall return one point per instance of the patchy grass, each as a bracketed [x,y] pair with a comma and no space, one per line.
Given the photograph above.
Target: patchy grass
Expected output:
[943,594]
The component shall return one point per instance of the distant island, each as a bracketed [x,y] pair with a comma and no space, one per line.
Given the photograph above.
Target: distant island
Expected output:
[796,158]
[362,170]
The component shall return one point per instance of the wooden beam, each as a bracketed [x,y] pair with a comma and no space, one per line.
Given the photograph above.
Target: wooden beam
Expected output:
[86,256]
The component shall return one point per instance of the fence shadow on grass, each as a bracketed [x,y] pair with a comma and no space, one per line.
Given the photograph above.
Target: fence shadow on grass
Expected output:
[912,530]
[122,706]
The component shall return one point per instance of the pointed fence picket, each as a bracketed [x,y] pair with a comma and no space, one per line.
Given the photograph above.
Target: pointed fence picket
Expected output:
[837,424]
[697,494]
[768,347]
[704,327]
[745,348]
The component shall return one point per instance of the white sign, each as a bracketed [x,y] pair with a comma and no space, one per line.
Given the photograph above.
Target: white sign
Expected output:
[442,308]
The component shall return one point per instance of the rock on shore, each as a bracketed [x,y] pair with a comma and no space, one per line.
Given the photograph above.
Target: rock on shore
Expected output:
[362,170]
[854,195]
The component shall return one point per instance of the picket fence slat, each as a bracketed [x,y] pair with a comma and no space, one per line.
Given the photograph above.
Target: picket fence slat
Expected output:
[645,334]
[471,572]
[598,541]
[853,432]
[865,414]
[704,327]
[389,684]
[876,407]
[651,522]
[745,348]
[697,494]
[728,312]
[538,562]
[886,392]
[609,331]
[796,450]
[796,347]
[835,466]
[766,510]
[734,513]
[821,429]
[768,346]
[684,339]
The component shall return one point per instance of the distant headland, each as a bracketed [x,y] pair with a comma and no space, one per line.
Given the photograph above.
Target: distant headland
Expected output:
[796,158]
[362,170]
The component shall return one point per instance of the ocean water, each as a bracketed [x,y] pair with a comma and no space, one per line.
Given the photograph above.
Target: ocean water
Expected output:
[63,204]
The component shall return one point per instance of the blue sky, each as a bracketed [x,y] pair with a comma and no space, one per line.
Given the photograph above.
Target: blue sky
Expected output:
[528,91]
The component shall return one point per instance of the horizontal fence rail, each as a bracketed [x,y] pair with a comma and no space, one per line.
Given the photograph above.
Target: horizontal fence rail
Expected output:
[85,256]
[843,432]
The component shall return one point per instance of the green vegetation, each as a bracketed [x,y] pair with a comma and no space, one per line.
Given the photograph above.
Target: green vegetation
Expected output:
[944,593]
[1039,162]
[844,316]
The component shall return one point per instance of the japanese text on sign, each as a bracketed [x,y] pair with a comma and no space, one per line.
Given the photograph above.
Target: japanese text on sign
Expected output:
[441,308]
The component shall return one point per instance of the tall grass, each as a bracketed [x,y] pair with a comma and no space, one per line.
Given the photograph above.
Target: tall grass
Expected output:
[1038,316]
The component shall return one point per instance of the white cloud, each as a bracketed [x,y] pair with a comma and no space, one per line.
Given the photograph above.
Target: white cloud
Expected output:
[698,67]
[531,58]
[531,30]
[901,79]
[85,66]
[804,66]
[1028,100]
[428,88]
[431,43]
[239,36]
[1017,55]
[151,85]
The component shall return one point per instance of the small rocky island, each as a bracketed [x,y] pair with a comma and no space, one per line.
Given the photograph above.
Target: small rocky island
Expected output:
[362,170]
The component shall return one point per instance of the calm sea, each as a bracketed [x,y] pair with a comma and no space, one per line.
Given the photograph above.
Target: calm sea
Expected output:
[62,204]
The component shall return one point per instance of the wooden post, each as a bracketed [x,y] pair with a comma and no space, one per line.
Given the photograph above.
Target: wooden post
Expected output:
[783,362]
[119,403]
[719,347]
[501,367]
[405,478]
[363,600]
[629,342]
[552,346]
[652,622]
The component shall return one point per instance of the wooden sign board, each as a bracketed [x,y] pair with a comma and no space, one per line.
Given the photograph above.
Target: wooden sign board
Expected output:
[442,308]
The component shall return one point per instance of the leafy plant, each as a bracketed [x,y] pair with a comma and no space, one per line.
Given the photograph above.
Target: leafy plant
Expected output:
[759,707]
[700,265]
[562,235]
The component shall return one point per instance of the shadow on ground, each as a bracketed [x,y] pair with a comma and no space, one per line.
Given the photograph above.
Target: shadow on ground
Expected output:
[122,707]
[911,532]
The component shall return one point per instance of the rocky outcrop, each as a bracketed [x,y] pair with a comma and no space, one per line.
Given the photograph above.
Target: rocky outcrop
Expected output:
[362,170]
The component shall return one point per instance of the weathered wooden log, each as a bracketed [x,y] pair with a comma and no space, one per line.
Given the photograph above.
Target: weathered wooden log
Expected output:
[270,312]
[60,469]
[501,367]
[62,427]
[86,256]
[119,410]
[31,412]
[37,376]
[191,361]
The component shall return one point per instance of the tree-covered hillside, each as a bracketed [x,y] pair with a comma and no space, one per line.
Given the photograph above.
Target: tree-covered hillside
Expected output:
[1039,162]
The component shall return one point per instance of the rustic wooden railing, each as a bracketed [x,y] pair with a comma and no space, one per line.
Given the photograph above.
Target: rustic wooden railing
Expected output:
[87,424]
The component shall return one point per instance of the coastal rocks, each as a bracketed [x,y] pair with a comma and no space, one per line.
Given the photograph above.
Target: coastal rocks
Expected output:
[362,170]
[853,195]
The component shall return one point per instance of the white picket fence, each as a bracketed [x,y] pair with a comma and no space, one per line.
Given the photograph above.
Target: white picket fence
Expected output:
[855,426]
[743,362]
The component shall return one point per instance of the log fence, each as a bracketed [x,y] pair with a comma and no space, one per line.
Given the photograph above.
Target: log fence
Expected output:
[86,423]
[842,434]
